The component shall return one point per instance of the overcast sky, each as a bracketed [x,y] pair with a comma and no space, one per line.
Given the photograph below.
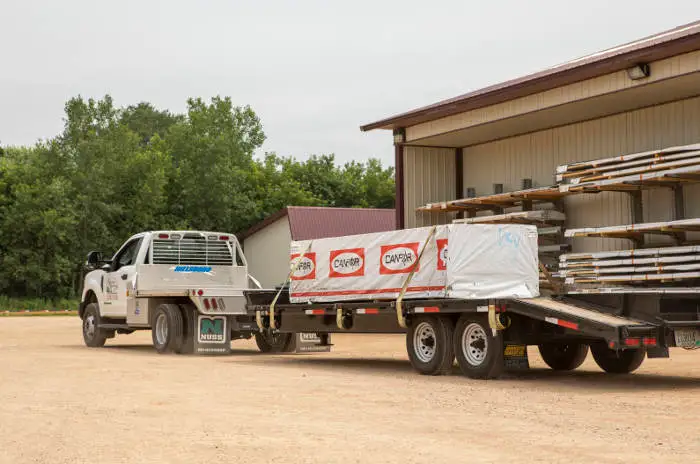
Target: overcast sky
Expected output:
[312,70]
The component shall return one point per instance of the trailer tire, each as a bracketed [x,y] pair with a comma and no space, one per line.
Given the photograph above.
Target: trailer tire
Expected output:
[479,353]
[429,345]
[93,336]
[273,342]
[617,361]
[167,330]
[563,356]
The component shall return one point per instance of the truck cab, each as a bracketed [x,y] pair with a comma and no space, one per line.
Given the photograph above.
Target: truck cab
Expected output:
[185,286]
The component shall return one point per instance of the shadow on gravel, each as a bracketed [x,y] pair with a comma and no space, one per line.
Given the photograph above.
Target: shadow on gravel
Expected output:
[148,349]
[602,381]
[390,366]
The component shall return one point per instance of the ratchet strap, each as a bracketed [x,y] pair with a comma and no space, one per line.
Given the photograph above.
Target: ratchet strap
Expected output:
[292,270]
[399,309]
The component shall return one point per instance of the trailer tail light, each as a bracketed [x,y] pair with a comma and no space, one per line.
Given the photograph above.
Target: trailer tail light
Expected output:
[649,341]
[222,305]
[163,236]
[224,237]
[206,304]
[632,342]
[214,304]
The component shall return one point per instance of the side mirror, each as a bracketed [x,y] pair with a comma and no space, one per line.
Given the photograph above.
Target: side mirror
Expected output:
[94,258]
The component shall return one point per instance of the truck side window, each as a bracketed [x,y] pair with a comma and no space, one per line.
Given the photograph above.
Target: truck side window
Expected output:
[127,256]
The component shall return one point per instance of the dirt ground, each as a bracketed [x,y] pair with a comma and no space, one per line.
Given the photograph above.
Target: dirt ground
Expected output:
[61,402]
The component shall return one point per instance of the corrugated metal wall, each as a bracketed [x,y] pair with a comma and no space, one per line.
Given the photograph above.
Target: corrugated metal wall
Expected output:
[429,175]
[536,155]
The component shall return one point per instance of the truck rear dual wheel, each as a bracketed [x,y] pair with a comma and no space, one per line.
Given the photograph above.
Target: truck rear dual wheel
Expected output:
[563,356]
[167,330]
[617,361]
[479,352]
[429,345]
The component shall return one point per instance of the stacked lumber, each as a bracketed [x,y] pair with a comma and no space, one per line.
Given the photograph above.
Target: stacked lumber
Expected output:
[634,230]
[515,199]
[641,266]
[633,171]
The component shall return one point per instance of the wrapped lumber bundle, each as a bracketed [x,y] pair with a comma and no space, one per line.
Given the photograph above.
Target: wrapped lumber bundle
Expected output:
[616,172]
[484,261]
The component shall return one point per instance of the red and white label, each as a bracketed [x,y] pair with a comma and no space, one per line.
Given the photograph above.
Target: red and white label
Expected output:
[306,269]
[441,254]
[398,259]
[347,263]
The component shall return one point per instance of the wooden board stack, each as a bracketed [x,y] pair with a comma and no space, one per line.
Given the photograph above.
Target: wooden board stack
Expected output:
[633,171]
[632,267]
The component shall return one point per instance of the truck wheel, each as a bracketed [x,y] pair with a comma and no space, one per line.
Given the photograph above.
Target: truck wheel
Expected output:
[479,353]
[168,328]
[93,336]
[563,356]
[269,342]
[429,345]
[617,361]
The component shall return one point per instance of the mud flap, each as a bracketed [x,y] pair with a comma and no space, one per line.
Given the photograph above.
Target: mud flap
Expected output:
[515,358]
[207,334]
[309,342]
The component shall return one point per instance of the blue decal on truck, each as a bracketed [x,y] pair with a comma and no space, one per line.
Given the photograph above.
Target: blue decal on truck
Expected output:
[192,269]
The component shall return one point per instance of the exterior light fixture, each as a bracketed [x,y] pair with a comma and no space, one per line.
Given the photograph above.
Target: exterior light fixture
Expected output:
[399,135]
[640,71]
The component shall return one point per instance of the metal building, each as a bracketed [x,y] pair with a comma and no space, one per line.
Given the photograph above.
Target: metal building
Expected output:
[644,95]
[266,244]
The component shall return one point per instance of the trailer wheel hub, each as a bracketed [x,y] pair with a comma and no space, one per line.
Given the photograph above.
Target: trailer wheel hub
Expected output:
[474,344]
[424,342]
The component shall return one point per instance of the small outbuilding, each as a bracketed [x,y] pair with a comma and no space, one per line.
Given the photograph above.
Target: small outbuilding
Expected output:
[266,244]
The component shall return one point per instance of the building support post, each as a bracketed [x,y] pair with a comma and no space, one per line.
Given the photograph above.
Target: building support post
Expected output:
[459,178]
[399,181]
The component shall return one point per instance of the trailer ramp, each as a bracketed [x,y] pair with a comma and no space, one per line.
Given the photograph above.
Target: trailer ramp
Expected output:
[584,318]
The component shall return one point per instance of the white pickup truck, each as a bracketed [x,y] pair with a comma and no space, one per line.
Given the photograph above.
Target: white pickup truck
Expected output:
[185,286]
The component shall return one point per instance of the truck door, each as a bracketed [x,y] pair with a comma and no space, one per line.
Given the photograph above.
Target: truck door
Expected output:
[122,272]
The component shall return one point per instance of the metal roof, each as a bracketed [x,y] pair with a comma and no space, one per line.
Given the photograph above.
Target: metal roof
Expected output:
[673,42]
[312,222]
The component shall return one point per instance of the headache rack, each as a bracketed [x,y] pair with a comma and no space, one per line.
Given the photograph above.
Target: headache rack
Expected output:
[192,249]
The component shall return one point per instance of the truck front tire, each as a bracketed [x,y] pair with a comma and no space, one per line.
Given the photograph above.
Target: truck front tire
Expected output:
[479,353]
[167,329]
[429,345]
[273,342]
[93,336]
[563,356]
[617,361]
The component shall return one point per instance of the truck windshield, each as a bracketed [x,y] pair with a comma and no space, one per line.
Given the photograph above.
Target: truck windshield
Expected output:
[193,249]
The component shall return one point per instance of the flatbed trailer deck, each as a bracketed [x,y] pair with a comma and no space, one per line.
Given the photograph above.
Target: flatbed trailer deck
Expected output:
[479,332]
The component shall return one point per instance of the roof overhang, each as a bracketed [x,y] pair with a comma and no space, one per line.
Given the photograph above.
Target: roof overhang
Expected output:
[677,41]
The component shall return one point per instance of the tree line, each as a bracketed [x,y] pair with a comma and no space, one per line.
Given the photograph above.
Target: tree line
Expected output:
[115,171]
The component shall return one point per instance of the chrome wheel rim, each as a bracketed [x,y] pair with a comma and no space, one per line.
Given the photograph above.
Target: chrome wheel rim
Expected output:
[475,344]
[89,326]
[424,342]
[161,329]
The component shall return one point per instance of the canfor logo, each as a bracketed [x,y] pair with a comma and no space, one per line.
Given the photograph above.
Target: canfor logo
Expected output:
[306,269]
[398,259]
[347,263]
[441,254]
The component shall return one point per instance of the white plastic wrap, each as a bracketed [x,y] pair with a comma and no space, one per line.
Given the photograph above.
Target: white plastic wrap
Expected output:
[488,261]
[492,261]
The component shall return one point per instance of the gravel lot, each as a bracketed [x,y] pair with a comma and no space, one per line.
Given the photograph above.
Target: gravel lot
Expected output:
[64,403]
